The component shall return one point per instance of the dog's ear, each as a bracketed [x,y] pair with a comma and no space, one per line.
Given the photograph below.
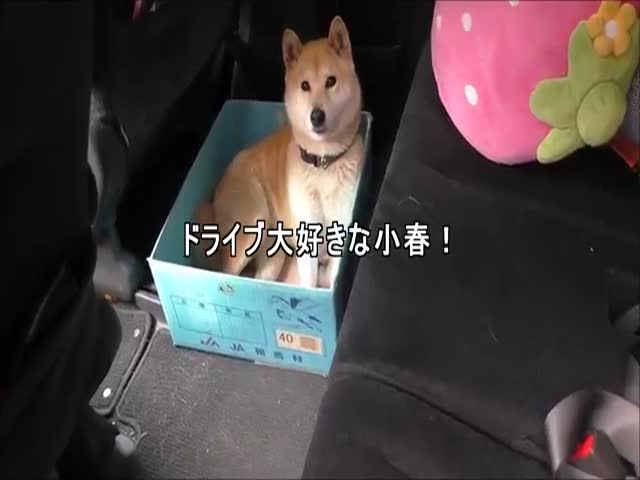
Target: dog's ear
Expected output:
[291,48]
[339,38]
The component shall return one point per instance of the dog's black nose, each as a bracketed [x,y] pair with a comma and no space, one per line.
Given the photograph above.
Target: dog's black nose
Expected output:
[317,117]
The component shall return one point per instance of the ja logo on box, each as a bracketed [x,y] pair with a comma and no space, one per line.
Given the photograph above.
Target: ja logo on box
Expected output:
[226,288]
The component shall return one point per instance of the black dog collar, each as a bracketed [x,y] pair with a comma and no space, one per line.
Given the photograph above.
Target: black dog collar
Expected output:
[323,161]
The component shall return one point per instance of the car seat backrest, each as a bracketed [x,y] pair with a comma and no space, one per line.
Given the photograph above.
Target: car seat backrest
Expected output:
[149,95]
[259,73]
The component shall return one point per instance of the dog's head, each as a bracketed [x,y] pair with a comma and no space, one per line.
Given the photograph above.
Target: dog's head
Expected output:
[322,93]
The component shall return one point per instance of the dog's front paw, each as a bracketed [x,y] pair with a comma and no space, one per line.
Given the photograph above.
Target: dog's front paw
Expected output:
[308,271]
[308,283]
[326,277]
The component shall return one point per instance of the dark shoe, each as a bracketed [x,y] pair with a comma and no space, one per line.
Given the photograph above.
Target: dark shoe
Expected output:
[97,450]
[120,464]
[123,464]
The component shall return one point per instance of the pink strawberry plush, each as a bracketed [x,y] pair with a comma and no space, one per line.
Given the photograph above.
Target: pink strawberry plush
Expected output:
[518,77]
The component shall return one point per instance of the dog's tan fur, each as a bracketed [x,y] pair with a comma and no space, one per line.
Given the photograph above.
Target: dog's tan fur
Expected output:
[269,181]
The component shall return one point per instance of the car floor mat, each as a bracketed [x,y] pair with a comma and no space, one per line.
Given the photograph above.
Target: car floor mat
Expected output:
[197,415]
[136,328]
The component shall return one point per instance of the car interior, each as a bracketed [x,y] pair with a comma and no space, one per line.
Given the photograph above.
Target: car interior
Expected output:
[447,365]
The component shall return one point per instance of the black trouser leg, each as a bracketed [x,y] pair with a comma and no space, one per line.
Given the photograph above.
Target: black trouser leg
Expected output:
[44,408]
[91,443]
[56,340]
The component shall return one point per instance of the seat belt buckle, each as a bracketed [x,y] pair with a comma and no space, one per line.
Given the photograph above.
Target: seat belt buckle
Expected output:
[595,455]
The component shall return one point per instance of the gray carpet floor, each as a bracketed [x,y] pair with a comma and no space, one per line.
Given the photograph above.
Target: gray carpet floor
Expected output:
[197,415]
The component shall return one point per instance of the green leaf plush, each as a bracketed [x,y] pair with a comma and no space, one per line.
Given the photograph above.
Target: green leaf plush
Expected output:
[588,106]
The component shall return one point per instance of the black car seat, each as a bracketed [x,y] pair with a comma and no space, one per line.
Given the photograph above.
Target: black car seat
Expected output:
[470,350]
[159,80]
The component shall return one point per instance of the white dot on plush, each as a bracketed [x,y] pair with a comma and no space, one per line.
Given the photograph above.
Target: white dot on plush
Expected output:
[438,22]
[514,3]
[471,94]
[466,21]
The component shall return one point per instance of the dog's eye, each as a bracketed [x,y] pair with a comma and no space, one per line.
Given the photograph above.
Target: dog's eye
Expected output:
[305,86]
[331,81]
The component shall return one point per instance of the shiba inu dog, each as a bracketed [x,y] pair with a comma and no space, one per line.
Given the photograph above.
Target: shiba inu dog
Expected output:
[306,172]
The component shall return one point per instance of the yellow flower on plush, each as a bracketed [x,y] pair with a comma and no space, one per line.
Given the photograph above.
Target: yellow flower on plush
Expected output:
[610,27]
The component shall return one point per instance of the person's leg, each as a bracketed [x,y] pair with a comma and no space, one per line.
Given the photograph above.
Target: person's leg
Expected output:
[56,340]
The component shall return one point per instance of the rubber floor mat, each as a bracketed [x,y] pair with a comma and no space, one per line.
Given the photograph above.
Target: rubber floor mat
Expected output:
[198,415]
[136,327]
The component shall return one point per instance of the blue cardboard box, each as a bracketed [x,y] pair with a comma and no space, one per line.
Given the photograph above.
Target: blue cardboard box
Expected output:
[270,323]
